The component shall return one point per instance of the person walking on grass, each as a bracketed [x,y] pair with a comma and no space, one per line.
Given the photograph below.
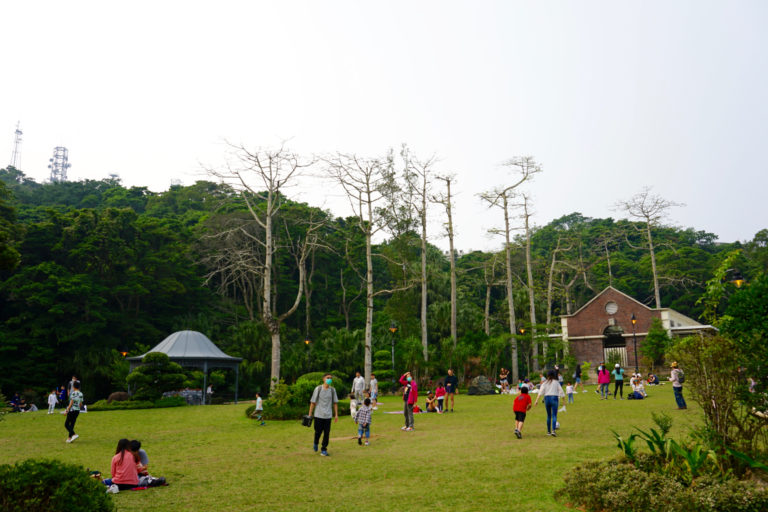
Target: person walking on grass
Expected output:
[374,390]
[451,387]
[552,392]
[358,386]
[677,377]
[363,420]
[73,410]
[569,392]
[325,405]
[258,412]
[618,383]
[604,381]
[410,397]
[577,379]
[521,406]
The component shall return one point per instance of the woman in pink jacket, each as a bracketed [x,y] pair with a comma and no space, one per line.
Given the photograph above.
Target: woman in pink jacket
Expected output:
[410,397]
[604,380]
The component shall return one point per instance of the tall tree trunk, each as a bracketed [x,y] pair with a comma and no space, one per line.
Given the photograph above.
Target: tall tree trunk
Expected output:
[424,339]
[267,309]
[452,261]
[368,297]
[510,297]
[656,292]
[608,259]
[531,295]
[486,319]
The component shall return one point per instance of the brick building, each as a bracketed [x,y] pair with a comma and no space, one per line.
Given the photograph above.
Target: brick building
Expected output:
[604,325]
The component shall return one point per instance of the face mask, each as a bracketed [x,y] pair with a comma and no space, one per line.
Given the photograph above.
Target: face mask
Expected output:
[328,381]
[409,379]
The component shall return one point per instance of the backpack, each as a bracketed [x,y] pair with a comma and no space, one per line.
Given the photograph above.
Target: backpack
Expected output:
[680,376]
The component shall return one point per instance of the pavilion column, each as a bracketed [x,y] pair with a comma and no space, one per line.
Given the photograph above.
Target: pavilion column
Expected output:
[205,379]
[237,378]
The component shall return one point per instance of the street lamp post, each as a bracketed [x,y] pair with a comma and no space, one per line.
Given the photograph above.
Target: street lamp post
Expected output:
[393,330]
[307,341]
[634,340]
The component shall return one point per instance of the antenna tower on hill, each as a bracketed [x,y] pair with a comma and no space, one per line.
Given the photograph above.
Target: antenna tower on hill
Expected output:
[16,155]
[59,164]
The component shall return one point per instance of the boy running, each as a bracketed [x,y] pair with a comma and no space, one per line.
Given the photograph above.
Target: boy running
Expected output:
[521,405]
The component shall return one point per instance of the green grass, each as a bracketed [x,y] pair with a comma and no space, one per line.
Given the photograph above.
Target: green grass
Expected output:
[216,459]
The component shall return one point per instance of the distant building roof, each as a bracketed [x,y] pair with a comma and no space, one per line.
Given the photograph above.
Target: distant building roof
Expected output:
[190,348]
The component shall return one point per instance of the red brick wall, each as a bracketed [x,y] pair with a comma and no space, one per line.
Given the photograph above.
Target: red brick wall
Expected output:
[593,320]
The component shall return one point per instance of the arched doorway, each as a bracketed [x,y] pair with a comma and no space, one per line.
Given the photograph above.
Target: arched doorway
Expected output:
[615,345]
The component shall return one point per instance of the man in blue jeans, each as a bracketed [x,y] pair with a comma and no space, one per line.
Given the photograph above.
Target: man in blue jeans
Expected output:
[677,386]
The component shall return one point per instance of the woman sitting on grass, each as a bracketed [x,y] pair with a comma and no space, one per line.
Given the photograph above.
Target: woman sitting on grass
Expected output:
[124,472]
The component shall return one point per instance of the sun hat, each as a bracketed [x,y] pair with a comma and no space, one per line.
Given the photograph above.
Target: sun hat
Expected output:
[674,364]
[618,365]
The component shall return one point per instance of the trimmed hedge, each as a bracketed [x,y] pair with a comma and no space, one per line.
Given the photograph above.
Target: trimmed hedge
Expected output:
[171,401]
[51,486]
[292,412]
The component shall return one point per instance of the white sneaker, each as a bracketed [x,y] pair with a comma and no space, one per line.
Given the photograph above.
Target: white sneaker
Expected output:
[113,489]
[403,428]
[74,437]
[69,439]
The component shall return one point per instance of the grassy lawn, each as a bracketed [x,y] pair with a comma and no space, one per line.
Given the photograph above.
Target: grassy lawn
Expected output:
[216,459]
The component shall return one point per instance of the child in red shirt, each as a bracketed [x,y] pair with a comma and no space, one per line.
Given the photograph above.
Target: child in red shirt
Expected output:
[521,405]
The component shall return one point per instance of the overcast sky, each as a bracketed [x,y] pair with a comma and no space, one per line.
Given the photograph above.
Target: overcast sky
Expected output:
[607,96]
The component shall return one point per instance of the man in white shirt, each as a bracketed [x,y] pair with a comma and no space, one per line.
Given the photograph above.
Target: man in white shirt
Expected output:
[257,413]
[358,387]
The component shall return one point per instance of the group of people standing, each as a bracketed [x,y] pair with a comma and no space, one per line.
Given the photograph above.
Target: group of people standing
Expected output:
[324,408]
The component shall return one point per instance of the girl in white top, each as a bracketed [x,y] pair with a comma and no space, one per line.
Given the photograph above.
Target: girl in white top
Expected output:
[553,393]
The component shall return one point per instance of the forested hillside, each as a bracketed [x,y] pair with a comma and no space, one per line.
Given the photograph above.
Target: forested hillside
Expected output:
[91,269]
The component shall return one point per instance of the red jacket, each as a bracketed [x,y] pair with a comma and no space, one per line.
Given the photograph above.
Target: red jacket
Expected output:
[413,397]
[604,377]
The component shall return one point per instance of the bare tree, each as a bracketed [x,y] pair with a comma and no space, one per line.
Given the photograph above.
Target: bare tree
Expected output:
[529,270]
[650,209]
[445,200]
[258,176]
[363,181]
[524,168]
[489,278]
[418,175]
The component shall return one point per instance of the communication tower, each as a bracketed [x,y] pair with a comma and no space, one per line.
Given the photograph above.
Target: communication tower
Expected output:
[59,164]
[16,155]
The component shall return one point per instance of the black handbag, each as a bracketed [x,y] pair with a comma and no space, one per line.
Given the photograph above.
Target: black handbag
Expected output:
[306,420]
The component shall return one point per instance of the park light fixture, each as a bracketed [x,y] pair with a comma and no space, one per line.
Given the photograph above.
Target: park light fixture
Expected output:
[634,340]
[123,352]
[522,330]
[737,279]
[307,341]
[393,327]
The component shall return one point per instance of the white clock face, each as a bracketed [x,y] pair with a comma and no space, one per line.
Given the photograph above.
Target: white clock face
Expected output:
[611,308]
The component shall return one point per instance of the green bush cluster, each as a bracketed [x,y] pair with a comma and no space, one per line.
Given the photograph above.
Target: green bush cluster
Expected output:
[620,485]
[673,476]
[292,402]
[156,375]
[50,486]
[171,401]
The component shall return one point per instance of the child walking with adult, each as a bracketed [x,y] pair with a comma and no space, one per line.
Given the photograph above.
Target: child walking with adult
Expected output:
[325,405]
[363,420]
[553,393]
[440,395]
[73,410]
[618,382]
[410,397]
[521,406]
[374,390]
